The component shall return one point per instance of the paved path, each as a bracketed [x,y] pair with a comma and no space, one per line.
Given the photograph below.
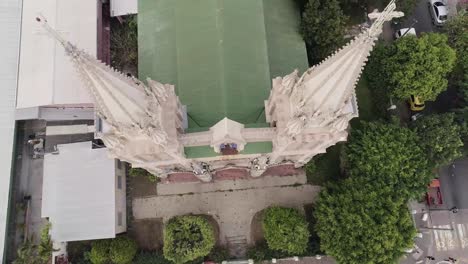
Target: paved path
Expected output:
[226,185]
[233,209]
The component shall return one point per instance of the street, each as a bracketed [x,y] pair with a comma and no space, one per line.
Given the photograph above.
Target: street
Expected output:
[444,233]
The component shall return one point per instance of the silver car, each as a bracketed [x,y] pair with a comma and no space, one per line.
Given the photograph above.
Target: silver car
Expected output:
[438,10]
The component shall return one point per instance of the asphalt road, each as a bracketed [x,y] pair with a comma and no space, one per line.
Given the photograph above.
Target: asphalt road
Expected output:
[420,19]
[454,184]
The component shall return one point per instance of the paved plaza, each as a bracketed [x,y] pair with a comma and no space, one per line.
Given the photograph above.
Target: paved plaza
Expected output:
[231,203]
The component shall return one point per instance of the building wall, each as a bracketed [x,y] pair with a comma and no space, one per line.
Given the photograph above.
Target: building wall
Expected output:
[120,198]
[10,20]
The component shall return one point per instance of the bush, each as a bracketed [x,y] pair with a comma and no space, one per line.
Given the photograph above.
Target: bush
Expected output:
[187,238]
[99,251]
[122,250]
[285,230]
[139,172]
[150,258]
[124,44]
[218,255]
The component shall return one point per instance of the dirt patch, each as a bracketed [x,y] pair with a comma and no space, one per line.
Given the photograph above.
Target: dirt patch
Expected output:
[148,233]
[231,174]
[180,177]
[256,229]
[283,170]
[141,187]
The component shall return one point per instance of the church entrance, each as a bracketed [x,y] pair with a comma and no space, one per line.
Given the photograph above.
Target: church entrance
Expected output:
[229,149]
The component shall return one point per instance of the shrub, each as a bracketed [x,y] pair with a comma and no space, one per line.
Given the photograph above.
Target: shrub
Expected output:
[261,252]
[45,247]
[99,251]
[139,172]
[122,250]
[285,230]
[150,258]
[218,255]
[187,238]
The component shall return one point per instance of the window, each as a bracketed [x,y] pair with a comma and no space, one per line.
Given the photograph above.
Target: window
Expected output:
[119,218]
[119,164]
[436,11]
[119,182]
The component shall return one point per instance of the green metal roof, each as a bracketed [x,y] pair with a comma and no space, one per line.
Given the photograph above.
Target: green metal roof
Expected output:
[220,54]
[207,151]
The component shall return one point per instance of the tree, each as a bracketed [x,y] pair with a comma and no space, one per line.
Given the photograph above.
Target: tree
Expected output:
[415,66]
[390,156]
[323,27]
[440,137]
[122,250]
[285,230]
[360,223]
[26,253]
[99,251]
[457,30]
[124,48]
[45,247]
[187,238]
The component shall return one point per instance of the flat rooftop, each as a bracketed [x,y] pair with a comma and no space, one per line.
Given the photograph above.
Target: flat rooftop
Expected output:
[220,54]
[78,193]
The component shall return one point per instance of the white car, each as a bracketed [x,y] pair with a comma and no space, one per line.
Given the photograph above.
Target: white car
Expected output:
[438,10]
[405,32]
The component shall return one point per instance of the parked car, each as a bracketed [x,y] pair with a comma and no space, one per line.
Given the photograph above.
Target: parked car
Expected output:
[405,32]
[438,10]
[433,194]
[416,104]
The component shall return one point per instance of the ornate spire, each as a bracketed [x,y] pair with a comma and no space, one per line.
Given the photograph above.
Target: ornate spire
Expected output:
[119,99]
[322,100]
[326,87]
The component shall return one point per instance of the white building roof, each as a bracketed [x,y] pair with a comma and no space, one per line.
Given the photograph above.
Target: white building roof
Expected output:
[78,193]
[46,75]
[123,7]
[10,21]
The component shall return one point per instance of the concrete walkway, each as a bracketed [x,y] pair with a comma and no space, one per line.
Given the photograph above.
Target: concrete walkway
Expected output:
[233,208]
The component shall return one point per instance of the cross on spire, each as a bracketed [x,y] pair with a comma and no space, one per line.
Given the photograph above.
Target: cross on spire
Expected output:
[381,17]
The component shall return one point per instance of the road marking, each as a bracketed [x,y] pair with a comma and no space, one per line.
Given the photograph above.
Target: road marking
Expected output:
[462,235]
[447,240]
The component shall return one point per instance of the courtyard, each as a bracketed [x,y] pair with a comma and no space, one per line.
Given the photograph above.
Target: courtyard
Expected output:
[231,203]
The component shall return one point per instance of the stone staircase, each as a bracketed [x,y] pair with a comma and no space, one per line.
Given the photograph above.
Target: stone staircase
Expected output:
[237,246]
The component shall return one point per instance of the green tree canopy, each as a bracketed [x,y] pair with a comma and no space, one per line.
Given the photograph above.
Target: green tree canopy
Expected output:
[99,251]
[440,137]
[323,27]
[414,66]
[457,30]
[187,238]
[285,230]
[122,250]
[359,223]
[389,155]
